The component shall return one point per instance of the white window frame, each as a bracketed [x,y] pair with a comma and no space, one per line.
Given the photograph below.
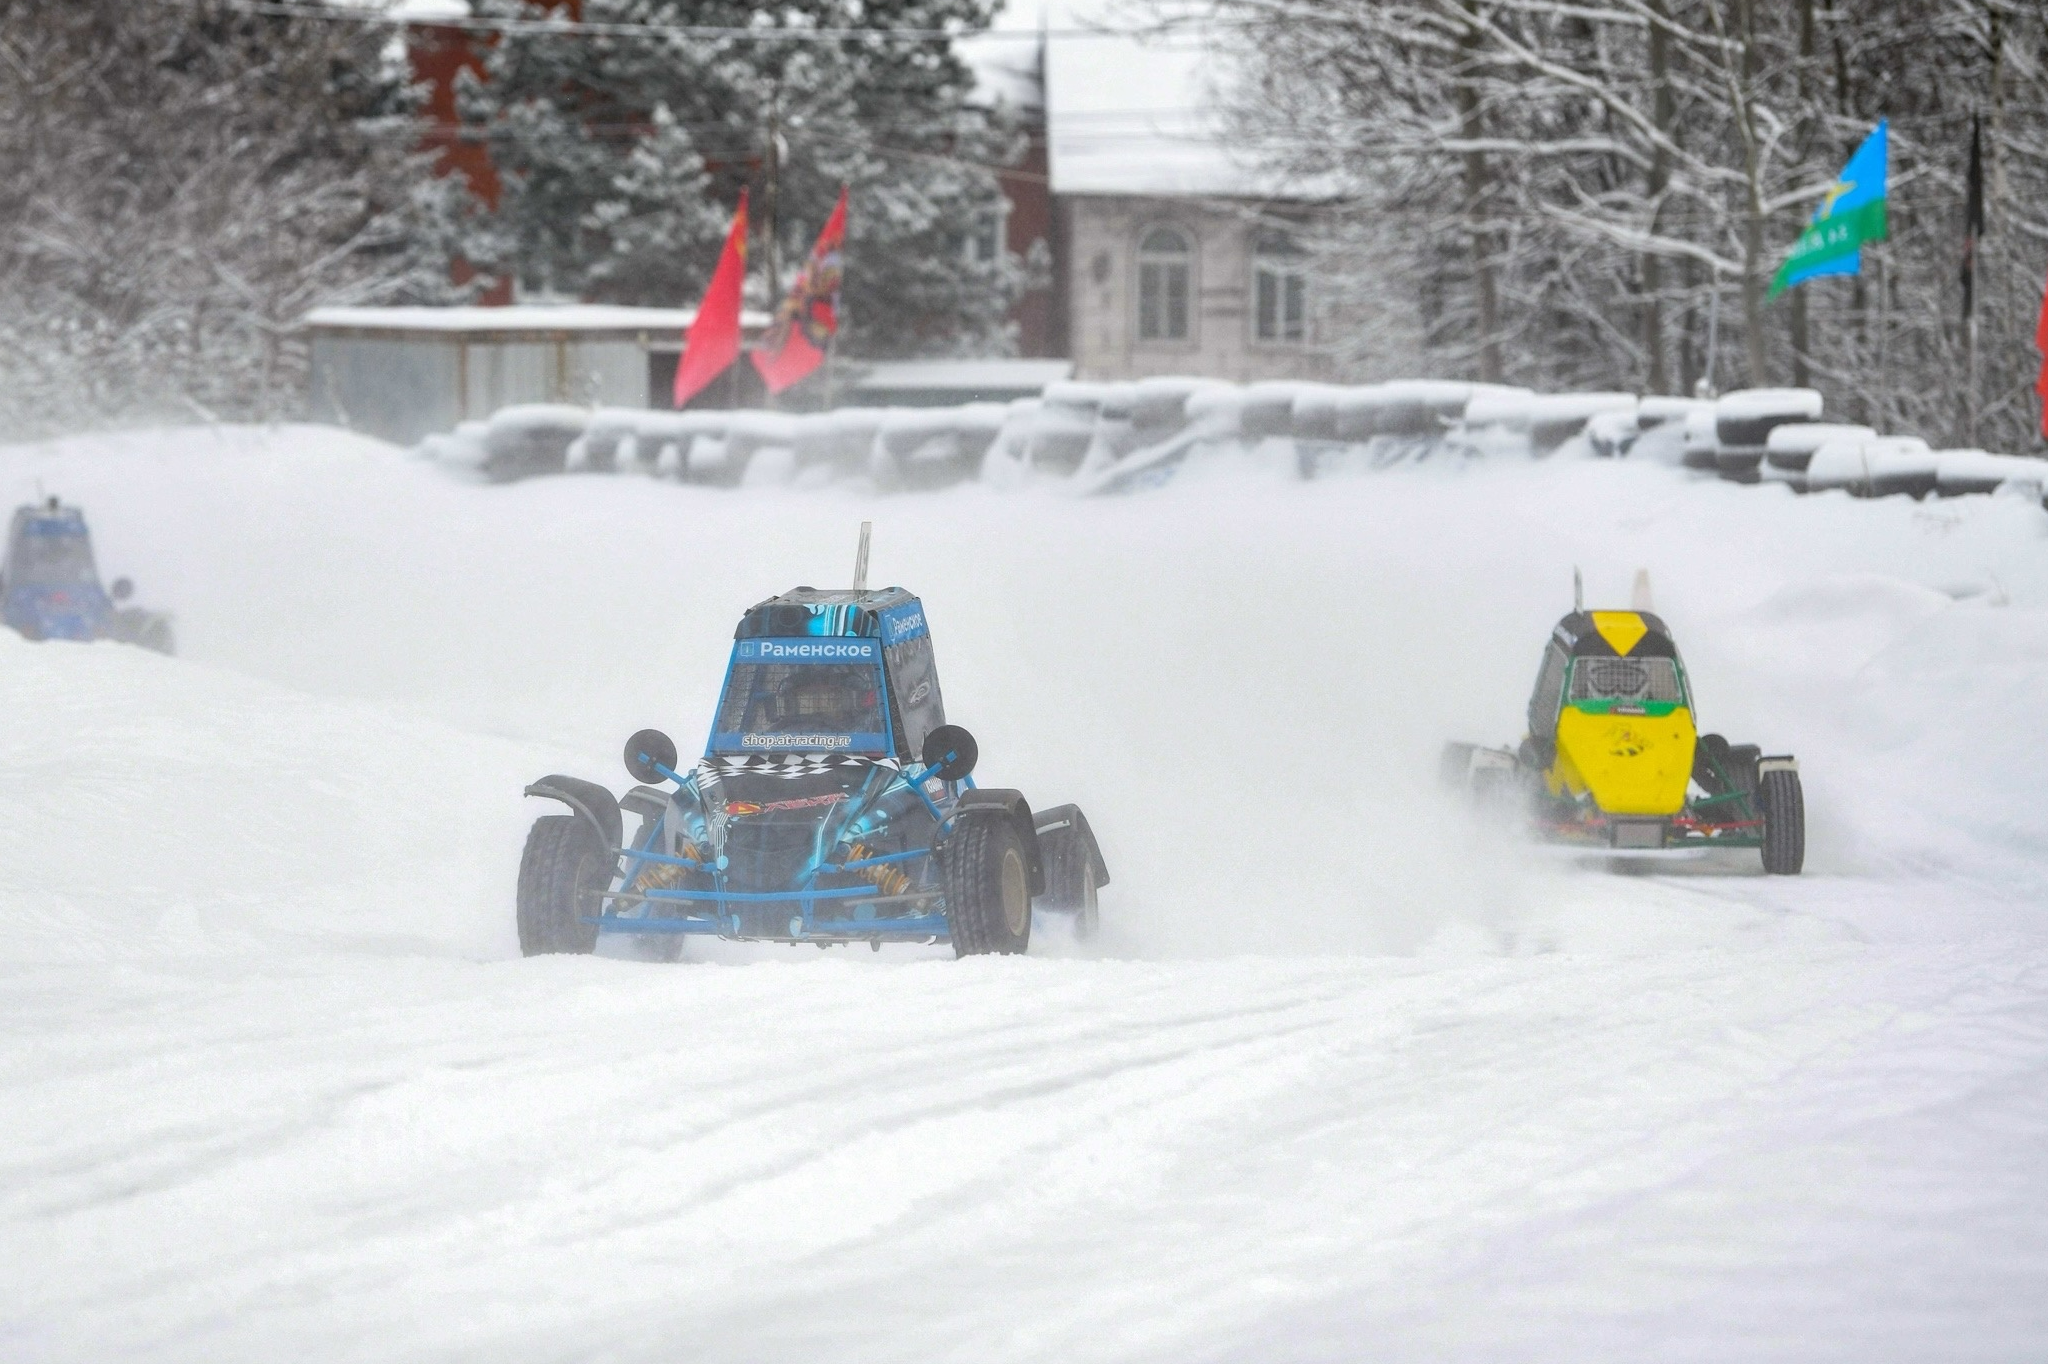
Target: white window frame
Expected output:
[1157,265]
[1281,277]
[993,228]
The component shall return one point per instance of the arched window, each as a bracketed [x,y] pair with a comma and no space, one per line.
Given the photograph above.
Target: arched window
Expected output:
[1165,266]
[1279,287]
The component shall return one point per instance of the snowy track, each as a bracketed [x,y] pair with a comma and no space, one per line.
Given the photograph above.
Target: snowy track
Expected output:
[1339,1083]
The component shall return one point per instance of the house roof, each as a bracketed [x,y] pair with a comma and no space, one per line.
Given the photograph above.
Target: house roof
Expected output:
[1127,114]
[523,319]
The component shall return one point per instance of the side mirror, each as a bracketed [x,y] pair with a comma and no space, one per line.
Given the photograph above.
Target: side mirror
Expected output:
[121,590]
[950,752]
[647,748]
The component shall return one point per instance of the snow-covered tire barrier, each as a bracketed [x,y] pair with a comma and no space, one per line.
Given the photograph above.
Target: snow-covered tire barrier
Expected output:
[1103,438]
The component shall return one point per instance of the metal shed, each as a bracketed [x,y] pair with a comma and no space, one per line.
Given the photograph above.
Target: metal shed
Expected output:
[945,383]
[402,373]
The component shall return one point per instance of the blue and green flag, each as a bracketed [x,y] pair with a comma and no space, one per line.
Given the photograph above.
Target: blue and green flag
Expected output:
[1852,214]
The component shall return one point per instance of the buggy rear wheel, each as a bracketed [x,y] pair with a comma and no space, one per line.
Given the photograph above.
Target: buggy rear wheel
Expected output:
[1784,812]
[988,887]
[155,635]
[561,874]
[1070,881]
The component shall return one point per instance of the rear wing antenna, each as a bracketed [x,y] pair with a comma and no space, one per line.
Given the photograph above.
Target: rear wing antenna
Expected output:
[1578,590]
[860,558]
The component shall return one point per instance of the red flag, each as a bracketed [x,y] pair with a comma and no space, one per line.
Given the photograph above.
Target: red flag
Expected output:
[2041,345]
[804,324]
[713,341]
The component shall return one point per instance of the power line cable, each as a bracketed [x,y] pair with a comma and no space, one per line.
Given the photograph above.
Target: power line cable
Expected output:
[553,27]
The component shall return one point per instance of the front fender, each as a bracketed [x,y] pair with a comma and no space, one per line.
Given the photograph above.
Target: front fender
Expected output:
[1013,806]
[1070,817]
[589,800]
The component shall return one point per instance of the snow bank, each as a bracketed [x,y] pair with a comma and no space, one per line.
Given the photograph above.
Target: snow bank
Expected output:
[1873,466]
[1743,422]
[1117,437]
[1959,472]
[530,440]
[1498,406]
[1557,417]
[1790,447]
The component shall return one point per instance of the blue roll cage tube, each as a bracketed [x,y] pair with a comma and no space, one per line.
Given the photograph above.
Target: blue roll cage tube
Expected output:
[805,927]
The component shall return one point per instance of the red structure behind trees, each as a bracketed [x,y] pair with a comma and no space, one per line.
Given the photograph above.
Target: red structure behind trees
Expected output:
[438,54]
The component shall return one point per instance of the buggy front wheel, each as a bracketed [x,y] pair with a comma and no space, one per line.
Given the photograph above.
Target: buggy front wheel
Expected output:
[1784,812]
[988,887]
[564,870]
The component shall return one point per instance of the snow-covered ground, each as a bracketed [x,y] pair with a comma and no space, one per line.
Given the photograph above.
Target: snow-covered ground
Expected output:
[1340,1081]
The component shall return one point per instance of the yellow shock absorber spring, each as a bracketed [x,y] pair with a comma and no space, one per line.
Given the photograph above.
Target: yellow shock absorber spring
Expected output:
[662,875]
[890,879]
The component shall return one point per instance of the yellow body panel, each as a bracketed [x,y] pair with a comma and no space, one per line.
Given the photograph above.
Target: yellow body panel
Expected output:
[1632,764]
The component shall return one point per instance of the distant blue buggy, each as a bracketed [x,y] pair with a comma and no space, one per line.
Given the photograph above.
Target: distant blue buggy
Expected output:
[833,804]
[50,586]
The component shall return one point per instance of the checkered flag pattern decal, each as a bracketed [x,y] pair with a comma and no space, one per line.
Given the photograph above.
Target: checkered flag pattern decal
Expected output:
[786,765]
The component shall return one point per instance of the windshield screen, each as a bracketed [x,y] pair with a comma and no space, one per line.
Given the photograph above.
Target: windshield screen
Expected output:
[1626,679]
[771,707]
[49,559]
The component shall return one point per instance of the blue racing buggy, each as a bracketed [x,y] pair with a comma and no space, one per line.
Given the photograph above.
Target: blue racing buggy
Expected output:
[50,586]
[833,804]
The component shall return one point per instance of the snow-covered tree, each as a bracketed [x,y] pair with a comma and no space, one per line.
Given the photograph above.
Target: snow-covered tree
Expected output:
[1566,189]
[622,151]
[183,181]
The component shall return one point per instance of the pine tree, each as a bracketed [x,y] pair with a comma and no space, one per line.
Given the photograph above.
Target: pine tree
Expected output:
[621,155]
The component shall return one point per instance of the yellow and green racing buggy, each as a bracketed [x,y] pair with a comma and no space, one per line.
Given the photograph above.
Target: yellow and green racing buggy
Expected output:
[1614,760]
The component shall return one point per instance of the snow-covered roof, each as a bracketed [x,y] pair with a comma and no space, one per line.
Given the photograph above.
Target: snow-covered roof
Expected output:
[522,318]
[963,375]
[1124,114]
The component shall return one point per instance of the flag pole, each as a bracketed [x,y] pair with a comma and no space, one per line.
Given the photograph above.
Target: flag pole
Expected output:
[1884,326]
[832,357]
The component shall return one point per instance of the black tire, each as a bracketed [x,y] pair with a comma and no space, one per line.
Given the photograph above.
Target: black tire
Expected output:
[1070,884]
[1784,811]
[564,869]
[988,887]
[156,635]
